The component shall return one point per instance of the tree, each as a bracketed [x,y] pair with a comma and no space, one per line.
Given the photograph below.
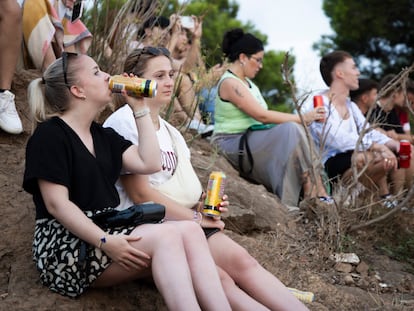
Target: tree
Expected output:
[218,17]
[379,34]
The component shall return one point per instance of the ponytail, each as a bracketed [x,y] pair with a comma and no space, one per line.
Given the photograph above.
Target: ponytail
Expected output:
[49,96]
[36,100]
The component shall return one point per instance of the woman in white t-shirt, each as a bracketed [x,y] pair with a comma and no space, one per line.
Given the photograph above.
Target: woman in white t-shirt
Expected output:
[247,284]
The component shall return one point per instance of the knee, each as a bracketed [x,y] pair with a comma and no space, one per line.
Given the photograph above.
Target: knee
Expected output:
[190,229]
[11,12]
[242,261]
[166,234]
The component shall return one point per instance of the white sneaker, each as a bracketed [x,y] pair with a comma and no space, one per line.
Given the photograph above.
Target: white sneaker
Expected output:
[9,118]
[206,130]
[195,125]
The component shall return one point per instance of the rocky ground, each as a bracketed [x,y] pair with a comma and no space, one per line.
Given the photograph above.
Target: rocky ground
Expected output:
[297,248]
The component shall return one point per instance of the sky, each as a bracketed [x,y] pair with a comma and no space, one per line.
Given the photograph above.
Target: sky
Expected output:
[291,25]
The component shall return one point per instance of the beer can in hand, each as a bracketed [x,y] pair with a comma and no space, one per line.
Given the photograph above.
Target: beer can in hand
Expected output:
[404,154]
[215,192]
[318,102]
[136,87]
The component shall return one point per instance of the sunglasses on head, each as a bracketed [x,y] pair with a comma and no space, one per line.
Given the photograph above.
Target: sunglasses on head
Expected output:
[155,51]
[65,57]
[151,50]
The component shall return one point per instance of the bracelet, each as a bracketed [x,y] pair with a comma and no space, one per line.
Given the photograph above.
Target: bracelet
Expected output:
[102,241]
[141,113]
[198,217]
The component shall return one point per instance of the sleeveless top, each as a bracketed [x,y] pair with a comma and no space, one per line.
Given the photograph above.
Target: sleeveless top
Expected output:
[228,118]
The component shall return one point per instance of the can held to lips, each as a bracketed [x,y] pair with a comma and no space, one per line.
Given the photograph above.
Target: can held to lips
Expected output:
[136,87]
[215,192]
[405,154]
[318,102]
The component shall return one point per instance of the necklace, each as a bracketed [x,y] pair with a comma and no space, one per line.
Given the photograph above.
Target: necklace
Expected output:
[241,79]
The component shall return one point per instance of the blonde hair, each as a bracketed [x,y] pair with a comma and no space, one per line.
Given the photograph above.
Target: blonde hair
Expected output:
[50,95]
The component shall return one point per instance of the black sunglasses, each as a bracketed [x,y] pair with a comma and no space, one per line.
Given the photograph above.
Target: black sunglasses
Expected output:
[65,56]
[150,50]
[155,51]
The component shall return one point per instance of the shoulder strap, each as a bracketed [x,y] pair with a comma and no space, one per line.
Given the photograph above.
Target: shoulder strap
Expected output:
[244,145]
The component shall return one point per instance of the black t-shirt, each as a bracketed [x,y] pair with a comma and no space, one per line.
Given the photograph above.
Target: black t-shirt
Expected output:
[386,120]
[56,153]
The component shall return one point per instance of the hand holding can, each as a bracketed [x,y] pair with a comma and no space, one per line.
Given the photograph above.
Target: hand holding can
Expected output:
[318,103]
[215,192]
[405,154]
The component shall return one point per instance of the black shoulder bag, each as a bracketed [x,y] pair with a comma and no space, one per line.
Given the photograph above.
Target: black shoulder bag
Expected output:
[244,146]
[135,215]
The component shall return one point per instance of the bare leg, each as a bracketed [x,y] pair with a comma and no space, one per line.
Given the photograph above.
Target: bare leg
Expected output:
[10,40]
[239,300]
[169,266]
[250,276]
[203,269]
[397,178]
[313,188]
[409,174]
[374,176]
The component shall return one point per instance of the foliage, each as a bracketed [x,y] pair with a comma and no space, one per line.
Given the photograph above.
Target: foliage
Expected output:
[271,81]
[379,34]
[218,17]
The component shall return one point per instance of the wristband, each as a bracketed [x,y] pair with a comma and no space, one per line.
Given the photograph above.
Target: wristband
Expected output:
[102,241]
[141,113]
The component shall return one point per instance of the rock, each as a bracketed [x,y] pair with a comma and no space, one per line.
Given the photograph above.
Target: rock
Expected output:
[363,283]
[343,267]
[351,258]
[348,279]
[362,268]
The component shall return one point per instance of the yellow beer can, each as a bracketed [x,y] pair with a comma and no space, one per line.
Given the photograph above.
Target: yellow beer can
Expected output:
[136,87]
[215,192]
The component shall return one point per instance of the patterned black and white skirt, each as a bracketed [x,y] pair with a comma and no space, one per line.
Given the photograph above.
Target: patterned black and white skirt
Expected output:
[67,265]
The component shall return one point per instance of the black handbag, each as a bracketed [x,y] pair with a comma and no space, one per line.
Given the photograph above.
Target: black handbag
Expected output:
[135,215]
